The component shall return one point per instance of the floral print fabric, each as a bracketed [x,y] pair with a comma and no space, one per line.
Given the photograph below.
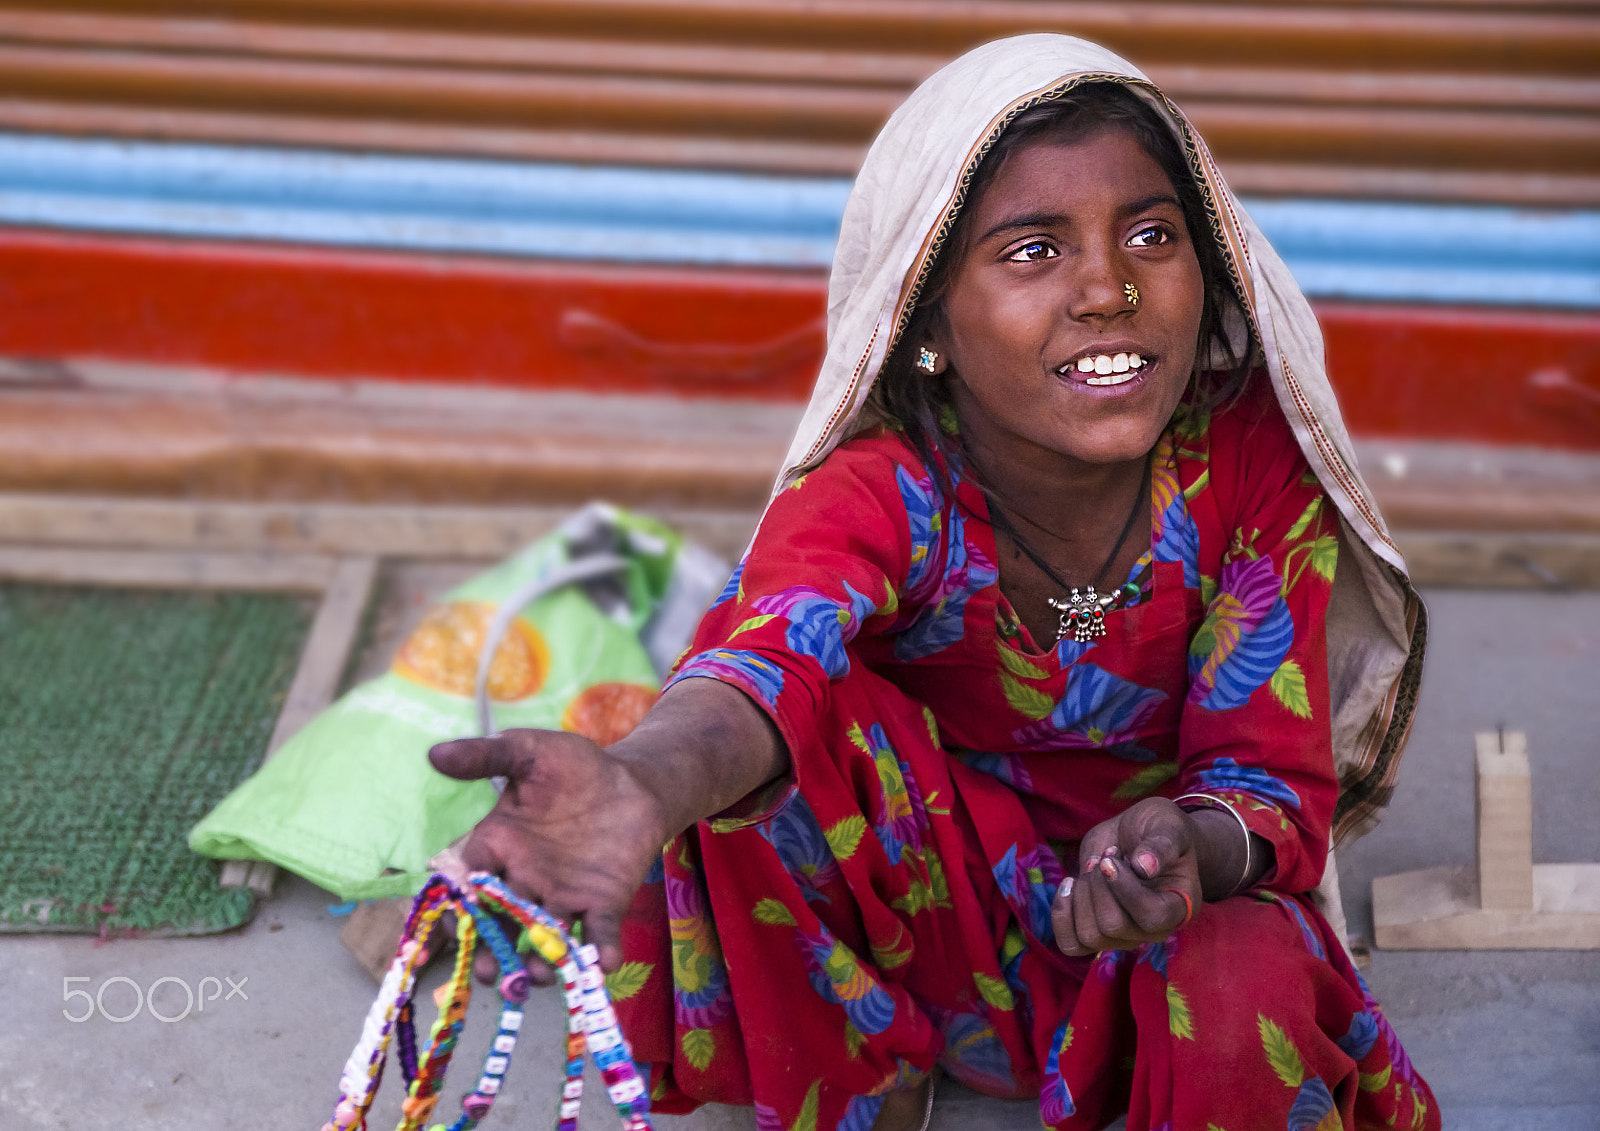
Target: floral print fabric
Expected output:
[888,905]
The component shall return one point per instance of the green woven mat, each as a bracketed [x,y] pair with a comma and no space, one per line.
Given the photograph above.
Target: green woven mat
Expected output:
[125,715]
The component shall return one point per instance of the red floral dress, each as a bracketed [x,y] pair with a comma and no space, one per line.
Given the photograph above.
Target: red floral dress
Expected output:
[887,905]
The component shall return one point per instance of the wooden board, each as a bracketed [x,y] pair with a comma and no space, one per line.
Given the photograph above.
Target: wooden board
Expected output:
[1505,902]
[1505,823]
[1443,558]
[372,934]
[162,569]
[1438,909]
[52,523]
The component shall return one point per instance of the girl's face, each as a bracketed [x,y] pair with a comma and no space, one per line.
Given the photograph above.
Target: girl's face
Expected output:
[1037,304]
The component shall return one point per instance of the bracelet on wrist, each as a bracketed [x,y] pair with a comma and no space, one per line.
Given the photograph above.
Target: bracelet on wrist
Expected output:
[1208,801]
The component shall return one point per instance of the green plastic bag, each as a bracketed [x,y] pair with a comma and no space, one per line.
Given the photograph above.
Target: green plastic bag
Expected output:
[351,803]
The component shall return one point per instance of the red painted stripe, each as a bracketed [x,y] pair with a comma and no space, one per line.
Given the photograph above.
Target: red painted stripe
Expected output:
[1501,376]
[313,312]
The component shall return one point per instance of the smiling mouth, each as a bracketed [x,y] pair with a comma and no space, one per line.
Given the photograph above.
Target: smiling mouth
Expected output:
[1105,369]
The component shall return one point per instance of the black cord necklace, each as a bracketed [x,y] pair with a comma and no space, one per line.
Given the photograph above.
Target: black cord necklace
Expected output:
[1083,610]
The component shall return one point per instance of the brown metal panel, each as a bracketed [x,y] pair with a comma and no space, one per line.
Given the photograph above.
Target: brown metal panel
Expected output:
[1237,129]
[1459,99]
[466,48]
[1559,38]
[691,60]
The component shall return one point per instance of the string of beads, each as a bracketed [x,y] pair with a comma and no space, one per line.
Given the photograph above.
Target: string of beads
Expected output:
[592,1026]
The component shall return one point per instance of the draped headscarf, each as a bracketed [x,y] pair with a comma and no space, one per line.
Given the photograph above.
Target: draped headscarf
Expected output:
[913,183]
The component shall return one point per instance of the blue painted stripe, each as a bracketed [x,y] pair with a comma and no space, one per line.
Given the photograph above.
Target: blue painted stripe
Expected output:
[419,204]
[1337,248]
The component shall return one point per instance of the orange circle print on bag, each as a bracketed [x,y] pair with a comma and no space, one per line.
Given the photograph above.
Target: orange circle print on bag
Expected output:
[442,653]
[607,711]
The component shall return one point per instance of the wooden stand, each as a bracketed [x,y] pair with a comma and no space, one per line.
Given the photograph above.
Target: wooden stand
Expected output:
[1508,902]
[372,934]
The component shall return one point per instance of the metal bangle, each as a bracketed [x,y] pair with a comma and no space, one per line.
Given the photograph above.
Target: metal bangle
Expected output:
[1208,799]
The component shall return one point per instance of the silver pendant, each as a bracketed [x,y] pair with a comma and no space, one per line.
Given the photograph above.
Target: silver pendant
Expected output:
[1083,614]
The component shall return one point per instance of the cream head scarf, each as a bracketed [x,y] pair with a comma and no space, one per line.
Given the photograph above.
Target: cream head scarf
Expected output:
[905,200]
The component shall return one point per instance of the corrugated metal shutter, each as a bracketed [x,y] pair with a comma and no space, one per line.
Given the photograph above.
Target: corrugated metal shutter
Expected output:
[1436,99]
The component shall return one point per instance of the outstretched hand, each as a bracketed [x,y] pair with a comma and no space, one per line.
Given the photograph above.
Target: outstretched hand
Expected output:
[1131,871]
[574,830]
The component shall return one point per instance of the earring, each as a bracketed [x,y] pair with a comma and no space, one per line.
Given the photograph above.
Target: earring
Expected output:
[1132,293]
[927,359]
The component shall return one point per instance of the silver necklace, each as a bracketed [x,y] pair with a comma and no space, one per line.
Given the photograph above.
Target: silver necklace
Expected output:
[1083,609]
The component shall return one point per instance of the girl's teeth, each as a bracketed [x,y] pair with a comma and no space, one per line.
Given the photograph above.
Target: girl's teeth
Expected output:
[1111,379]
[1106,364]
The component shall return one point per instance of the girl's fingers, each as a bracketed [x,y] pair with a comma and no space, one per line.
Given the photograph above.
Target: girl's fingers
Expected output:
[1062,924]
[604,930]
[1149,911]
[1083,913]
[1094,848]
[1154,855]
[1110,920]
[469,759]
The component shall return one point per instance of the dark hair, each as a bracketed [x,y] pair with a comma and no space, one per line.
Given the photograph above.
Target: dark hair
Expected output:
[915,402]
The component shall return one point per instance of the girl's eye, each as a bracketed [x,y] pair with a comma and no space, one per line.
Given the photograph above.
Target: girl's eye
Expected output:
[1033,252]
[1150,237]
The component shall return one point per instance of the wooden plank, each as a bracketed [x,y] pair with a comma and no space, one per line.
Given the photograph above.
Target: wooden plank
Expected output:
[328,645]
[1437,558]
[1491,560]
[1437,909]
[1505,822]
[372,933]
[166,569]
[1489,508]
[1506,901]
[382,530]
[317,680]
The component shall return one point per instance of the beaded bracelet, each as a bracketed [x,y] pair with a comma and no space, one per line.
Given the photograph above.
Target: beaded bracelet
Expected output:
[591,1023]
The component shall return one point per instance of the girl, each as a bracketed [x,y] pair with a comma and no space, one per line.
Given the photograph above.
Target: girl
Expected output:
[1017,742]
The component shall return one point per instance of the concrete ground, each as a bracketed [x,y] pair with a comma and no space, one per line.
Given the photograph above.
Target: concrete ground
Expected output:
[1509,1040]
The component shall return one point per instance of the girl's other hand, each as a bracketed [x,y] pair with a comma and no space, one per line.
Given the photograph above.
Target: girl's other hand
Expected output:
[1132,869]
[574,830]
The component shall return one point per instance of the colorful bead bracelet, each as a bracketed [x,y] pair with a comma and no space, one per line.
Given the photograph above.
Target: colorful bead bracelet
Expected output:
[591,1023]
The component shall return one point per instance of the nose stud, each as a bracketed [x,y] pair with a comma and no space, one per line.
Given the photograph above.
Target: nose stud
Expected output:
[927,360]
[1132,293]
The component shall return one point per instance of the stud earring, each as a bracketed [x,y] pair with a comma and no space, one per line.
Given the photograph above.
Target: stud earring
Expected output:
[927,359]
[1132,293]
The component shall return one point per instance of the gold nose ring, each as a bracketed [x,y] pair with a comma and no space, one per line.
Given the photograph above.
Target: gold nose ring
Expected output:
[1132,292]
